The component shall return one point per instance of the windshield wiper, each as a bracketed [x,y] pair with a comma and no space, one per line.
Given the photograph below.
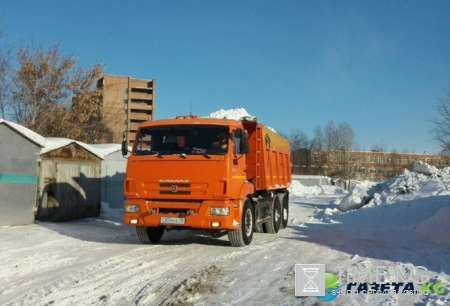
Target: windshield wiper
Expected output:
[156,153]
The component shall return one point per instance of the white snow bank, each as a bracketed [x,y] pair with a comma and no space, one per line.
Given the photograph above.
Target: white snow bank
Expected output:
[297,189]
[421,181]
[436,228]
[424,168]
[356,197]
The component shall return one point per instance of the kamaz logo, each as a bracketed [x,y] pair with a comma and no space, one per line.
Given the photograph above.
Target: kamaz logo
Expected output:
[174,181]
[173,187]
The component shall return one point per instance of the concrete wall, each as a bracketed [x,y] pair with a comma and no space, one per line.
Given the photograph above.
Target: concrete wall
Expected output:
[18,177]
[312,180]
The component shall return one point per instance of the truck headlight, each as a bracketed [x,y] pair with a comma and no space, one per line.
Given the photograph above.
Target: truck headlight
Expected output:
[131,208]
[220,211]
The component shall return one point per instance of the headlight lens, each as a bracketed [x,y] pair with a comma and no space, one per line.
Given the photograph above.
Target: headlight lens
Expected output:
[131,208]
[220,211]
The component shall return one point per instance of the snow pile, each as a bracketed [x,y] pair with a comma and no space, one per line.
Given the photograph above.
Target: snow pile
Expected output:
[436,228]
[235,114]
[421,181]
[424,168]
[299,190]
[357,197]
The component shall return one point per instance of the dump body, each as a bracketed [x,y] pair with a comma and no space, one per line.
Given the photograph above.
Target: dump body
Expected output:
[176,177]
[268,161]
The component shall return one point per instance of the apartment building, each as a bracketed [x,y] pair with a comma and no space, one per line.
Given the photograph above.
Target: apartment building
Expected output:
[359,165]
[126,103]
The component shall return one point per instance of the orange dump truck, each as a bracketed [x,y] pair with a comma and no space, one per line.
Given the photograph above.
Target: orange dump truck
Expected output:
[207,173]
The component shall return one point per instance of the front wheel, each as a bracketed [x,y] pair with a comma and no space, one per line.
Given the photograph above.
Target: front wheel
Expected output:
[244,235]
[149,234]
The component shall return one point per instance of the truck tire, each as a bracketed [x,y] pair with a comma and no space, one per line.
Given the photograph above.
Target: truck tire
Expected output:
[285,210]
[147,235]
[243,236]
[273,225]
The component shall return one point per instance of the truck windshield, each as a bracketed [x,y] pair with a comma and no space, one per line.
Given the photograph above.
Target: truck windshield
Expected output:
[182,140]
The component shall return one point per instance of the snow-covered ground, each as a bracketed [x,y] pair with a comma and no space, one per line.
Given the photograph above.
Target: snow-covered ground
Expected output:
[403,226]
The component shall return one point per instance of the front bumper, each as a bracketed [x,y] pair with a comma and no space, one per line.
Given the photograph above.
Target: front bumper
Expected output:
[189,214]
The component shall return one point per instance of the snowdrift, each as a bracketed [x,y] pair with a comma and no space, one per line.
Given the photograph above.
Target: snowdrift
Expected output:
[298,189]
[421,181]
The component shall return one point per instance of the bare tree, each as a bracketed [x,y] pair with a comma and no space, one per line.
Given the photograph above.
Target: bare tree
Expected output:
[378,147]
[87,119]
[298,140]
[299,156]
[345,136]
[53,97]
[329,146]
[320,155]
[331,136]
[318,141]
[41,88]
[440,123]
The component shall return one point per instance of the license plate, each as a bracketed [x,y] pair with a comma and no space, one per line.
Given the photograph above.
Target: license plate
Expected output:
[168,220]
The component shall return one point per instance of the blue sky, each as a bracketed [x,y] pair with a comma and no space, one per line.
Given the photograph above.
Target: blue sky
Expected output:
[377,65]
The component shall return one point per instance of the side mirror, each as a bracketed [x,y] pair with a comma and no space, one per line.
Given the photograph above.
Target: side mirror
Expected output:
[244,142]
[238,133]
[124,148]
[124,144]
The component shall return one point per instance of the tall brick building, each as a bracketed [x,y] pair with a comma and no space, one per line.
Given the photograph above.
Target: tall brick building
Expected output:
[369,165]
[126,103]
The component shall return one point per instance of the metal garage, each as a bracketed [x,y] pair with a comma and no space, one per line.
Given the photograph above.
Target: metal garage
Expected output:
[68,181]
[19,151]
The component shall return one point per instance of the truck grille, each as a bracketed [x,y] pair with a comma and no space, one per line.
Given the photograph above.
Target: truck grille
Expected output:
[177,188]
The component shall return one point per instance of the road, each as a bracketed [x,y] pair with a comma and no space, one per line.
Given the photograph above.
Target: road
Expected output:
[100,262]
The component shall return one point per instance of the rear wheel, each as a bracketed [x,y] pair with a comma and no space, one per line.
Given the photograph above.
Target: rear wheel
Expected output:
[273,225]
[285,210]
[243,236]
[149,234]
